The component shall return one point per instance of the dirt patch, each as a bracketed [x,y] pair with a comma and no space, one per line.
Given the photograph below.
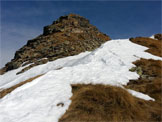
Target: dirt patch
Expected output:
[96,103]
[9,90]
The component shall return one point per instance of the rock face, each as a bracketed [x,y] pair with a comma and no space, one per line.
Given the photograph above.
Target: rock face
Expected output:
[67,36]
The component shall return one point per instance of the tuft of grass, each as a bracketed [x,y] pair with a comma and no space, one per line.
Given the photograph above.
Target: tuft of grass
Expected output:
[103,103]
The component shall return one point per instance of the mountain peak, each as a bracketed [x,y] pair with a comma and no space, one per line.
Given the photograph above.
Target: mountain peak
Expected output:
[69,23]
[71,17]
[67,36]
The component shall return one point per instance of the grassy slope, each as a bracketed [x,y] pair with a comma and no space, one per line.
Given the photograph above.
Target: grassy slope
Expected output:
[105,103]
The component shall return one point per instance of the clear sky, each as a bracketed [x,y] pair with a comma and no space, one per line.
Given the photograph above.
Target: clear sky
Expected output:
[24,20]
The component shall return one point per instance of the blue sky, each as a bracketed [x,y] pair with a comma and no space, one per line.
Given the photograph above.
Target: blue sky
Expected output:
[24,20]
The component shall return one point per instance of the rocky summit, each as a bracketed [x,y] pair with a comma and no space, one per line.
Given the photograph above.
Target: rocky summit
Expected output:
[69,35]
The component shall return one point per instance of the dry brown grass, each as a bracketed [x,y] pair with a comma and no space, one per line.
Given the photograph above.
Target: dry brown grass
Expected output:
[2,71]
[150,67]
[9,90]
[153,44]
[100,103]
[152,83]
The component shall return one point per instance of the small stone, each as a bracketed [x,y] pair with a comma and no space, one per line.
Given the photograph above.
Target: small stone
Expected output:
[67,42]
[60,104]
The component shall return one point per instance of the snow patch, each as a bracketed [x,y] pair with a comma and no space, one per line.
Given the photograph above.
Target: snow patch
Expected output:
[140,95]
[37,101]
[152,37]
[10,78]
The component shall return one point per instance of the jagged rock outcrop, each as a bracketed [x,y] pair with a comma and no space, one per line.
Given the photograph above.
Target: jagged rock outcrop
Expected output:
[67,36]
[158,36]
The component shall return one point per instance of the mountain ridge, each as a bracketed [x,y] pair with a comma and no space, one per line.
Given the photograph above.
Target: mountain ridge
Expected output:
[69,35]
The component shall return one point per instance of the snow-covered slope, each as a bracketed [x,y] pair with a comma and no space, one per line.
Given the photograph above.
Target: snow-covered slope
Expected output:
[41,99]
